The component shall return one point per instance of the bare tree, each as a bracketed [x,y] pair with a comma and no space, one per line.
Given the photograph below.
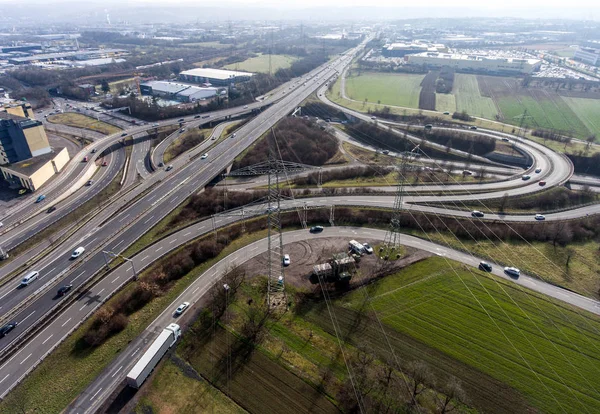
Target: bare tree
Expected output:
[452,395]
[421,377]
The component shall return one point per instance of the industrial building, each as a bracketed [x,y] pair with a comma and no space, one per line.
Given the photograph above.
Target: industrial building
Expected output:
[62,56]
[476,63]
[588,55]
[26,158]
[402,49]
[218,77]
[177,91]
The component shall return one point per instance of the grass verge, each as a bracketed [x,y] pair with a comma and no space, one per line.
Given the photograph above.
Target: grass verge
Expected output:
[82,121]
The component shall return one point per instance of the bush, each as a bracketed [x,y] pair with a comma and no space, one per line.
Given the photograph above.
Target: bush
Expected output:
[463,116]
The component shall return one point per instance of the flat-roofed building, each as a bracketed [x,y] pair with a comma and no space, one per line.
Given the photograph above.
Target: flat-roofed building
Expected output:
[35,172]
[588,55]
[476,63]
[21,138]
[217,77]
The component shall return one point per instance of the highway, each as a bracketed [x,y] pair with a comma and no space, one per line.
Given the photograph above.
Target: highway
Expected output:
[114,374]
[132,214]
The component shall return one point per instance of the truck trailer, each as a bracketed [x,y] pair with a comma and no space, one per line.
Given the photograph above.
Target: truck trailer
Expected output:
[153,355]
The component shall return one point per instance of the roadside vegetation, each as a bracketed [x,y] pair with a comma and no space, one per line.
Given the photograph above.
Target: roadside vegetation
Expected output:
[260,63]
[83,121]
[185,142]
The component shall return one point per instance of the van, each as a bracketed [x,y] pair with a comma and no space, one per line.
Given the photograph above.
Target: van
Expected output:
[30,277]
[77,252]
[356,247]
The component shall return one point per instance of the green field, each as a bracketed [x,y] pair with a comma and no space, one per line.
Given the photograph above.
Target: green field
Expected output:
[83,121]
[545,349]
[261,63]
[388,88]
[468,97]
[445,102]
[588,111]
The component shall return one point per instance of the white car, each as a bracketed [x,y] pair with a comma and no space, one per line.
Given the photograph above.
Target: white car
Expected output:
[1,224]
[245,106]
[512,271]
[540,217]
[77,252]
[368,248]
[182,308]
[204,156]
[286,260]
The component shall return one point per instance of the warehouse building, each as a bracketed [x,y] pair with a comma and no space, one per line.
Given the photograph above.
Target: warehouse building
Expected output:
[218,77]
[588,55]
[177,91]
[402,49]
[26,158]
[475,63]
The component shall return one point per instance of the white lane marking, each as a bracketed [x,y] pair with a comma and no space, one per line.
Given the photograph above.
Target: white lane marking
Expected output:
[129,269]
[173,241]
[50,271]
[254,248]
[78,276]
[80,309]
[150,198]
[47,339]
[27,317]
[100,291]
[91,241]
[66,322]
[94,396]
[147,221]
[116,372]
[187,234]
[2,380]
[159,249]
[135,352]
[115,246]
[124,218]
[116,278]
[195,290]
[26,358]
[145,257]
[173,200]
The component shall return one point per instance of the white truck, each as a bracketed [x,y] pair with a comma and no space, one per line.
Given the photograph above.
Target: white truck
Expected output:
[157,350]
[356,247]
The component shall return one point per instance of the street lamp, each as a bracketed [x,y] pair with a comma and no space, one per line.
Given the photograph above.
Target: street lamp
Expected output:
[115,255]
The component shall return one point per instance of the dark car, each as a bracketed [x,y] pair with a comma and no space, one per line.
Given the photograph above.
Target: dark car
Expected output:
[485,266]
[477,214]
[50,210]
[7,328]
[124,134]
[63,290]
[316,229]
[197,116]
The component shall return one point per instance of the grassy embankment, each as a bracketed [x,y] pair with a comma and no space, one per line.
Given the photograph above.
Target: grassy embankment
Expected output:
[83,121]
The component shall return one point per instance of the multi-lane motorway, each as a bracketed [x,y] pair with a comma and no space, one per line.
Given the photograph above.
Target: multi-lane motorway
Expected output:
[123,220]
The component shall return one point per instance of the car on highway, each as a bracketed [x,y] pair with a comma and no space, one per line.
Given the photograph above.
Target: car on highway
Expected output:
[446,113]
[512,271]
[50,210]
[86,158]
[182,130]
[90,182]
[105,163]
[197,116]
[542,183]
[485,266]
[316,229]
[7,328]
[526,177]
[155,124]
[368,248]
[40,199]
[206,116]
[124,134]
[77,252]
[245,106]
[477,213]
[540,217]
[161,164]
[428,126]
[22,191]
[505,139]
[181,120]
[373,117]
[386,152]
[181,308]
[473,128]
[538,170]
[271,209]
[204,156]
[94,150]
[286,260]
[233,135]
[29,277]
[169,168]
[63,290]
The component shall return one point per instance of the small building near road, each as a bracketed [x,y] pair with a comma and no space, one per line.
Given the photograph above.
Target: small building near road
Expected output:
[35,172]
[218,77]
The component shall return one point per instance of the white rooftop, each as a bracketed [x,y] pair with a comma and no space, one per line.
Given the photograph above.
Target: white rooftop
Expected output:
[220,74]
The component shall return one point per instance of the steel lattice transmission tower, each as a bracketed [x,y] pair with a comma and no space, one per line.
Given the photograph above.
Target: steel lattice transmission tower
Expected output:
[391,243]
[273,168]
